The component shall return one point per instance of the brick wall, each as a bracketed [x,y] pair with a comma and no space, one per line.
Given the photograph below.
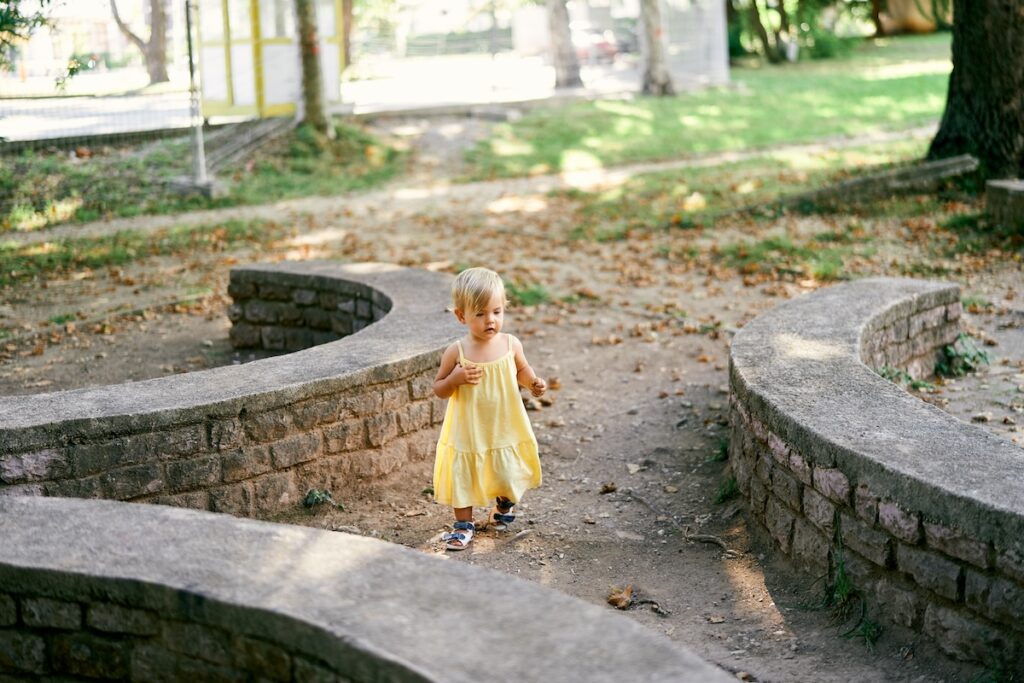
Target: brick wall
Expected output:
[49,638]
[329,417]
[925,556]
[288,314]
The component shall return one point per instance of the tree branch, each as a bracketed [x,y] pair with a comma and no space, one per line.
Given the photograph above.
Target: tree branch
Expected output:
[139,43]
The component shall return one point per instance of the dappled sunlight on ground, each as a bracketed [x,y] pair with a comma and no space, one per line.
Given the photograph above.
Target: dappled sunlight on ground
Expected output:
[905,69]
[525,204]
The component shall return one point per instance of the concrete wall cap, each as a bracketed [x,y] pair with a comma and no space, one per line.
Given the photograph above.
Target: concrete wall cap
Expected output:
[346,600]
[798,369]
[411,332]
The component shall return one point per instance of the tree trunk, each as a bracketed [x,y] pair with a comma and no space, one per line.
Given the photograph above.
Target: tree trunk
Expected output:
[657,80]
[876,16]
[762,33]
[346,26]
[563,54]
[153,52]
[985,108]
[312,80]
[156,51]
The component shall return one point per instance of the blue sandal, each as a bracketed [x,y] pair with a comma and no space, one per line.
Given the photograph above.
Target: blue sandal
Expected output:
[462,539]
[501,515]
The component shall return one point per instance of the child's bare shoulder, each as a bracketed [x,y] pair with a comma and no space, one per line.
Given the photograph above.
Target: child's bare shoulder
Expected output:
[514,343]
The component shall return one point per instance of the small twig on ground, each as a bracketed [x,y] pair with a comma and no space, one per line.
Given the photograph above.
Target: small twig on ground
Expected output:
[684,530]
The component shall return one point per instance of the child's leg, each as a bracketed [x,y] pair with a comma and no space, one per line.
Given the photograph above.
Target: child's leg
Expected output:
[463,514]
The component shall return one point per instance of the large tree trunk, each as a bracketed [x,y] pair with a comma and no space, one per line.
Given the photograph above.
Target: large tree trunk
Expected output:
[985,107]
[657,80]
[563,53]
[876,16]
[154,52]
[312,80]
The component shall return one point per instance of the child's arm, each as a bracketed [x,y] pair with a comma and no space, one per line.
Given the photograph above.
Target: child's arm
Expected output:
[524,373]
[451,375]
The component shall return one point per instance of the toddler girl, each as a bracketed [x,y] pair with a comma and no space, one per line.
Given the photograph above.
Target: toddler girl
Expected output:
[487,450]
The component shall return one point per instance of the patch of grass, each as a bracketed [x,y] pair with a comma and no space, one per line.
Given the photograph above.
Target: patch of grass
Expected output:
[316,497]
[867,631]
[960,358]
[62,318]
[903,378]
[527,295]
[26,262]
[727,490]
[780,254]
[721,453]
[691,199]
[977,235]
[40,189]
[878,89]
[975,304]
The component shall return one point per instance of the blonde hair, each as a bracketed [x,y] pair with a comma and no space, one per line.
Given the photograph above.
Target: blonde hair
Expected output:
[474,287]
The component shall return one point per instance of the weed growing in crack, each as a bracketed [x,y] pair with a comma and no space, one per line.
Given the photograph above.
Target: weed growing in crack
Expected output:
[727,490]
[721,453]
[316,497]
[960,357]
[904,379]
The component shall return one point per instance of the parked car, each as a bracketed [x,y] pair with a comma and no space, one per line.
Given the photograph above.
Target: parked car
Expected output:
[593,45]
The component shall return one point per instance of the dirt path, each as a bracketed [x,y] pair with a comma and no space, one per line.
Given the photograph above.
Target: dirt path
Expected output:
[629,444]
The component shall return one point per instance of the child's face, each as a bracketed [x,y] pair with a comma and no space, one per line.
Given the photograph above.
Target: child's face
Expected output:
[485,324]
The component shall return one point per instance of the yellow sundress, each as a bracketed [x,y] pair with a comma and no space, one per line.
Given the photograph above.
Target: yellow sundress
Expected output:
[487,447]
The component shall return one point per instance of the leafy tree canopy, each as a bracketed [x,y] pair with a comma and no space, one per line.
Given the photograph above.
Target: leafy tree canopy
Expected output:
[18,19]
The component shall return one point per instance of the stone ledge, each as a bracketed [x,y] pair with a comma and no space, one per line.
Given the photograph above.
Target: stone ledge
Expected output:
[1004,201]
[840,463]
[798,369]
[407,338]
[359,608]
[251,439]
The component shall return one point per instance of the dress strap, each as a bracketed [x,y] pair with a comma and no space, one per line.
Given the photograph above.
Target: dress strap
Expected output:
[509,338]
[462,357]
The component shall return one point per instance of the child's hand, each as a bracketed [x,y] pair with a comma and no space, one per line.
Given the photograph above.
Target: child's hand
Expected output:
[470,374]
[538,387]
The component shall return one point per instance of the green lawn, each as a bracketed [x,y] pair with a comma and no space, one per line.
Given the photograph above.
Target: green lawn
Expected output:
[39,189]
[697,197]
[890,84]
[19,263]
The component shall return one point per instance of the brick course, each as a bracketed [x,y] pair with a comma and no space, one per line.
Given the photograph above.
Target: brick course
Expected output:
[964,590]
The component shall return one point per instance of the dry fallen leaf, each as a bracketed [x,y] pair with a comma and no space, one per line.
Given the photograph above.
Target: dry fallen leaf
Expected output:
[671,489]
[554,383]
[621,598]
[716,619]
[609,487]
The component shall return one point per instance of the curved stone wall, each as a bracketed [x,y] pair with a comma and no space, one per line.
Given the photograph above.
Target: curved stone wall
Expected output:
[107,590]
[924,512]
[250,440]
[112,591]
